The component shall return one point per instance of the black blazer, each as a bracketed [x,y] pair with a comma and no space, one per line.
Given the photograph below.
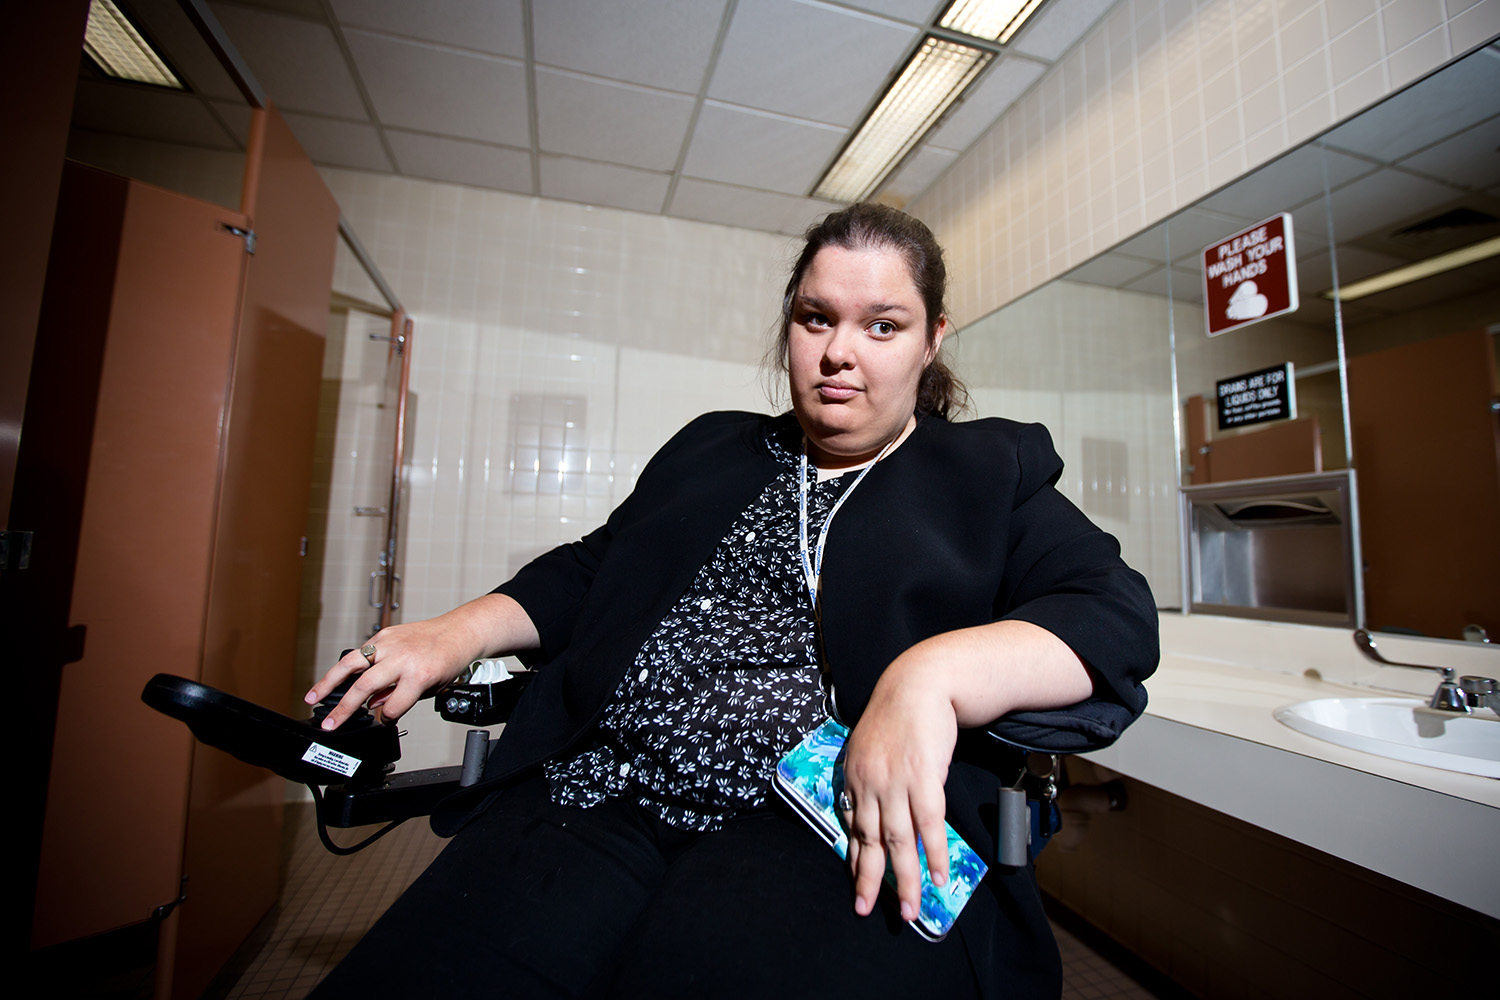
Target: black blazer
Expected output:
[960,526]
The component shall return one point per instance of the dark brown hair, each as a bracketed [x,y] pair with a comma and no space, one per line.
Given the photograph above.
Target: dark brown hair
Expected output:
[869,226]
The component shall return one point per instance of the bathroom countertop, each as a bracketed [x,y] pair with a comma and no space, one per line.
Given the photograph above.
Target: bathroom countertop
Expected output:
[1209,735]
[1240,702]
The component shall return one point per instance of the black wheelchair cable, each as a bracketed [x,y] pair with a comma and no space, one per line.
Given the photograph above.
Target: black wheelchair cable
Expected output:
[323,829]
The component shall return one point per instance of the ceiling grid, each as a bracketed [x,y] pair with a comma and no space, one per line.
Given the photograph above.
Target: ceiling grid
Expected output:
[725,111]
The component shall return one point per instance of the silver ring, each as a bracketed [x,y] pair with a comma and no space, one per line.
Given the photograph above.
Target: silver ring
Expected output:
[844,804]
[368,652]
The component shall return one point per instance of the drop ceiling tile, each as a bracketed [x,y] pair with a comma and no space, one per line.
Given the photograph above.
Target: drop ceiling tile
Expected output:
[1052,32]
[298,62]
[1195,228]
[1294,179]
[1316,312]
[1187,285]
[1113,270]
[1379,201]
[816,62]
[759,150]
[1314,274]
[306,8]
[657,43]
[603,184]
[1150,244]
[237,117]
[1005,81]
[912,11]
[1462,95]
[1356,264]
[914,177]
[735,206]
[148,113]
[332,143]
[436,89]
[614,122]
[461,162]
[493,26]
[1470,159]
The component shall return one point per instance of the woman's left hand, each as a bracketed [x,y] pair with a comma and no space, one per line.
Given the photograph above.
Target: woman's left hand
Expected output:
[896,759]
[895,765]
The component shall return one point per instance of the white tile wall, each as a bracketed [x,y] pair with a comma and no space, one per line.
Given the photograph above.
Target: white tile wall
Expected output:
[646,321]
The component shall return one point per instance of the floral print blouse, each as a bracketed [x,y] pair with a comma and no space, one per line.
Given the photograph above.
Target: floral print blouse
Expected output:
[729,682]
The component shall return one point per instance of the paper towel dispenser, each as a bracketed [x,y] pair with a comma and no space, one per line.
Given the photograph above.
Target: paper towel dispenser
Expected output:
[1280,548]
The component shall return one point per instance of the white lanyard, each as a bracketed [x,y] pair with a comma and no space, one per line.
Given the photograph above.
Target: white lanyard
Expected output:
[812,566]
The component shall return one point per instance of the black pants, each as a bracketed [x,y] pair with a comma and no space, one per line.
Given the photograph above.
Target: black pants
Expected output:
[533,899]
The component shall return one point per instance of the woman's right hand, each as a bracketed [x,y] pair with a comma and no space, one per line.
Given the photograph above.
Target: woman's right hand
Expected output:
[410,660]
[415,659]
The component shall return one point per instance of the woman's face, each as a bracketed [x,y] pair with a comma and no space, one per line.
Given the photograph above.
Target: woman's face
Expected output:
[856,348]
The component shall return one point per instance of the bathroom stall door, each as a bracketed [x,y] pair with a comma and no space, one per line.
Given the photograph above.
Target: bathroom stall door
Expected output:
[189,350]
[233,846]
[121,461]
[170,429]
[1426,445]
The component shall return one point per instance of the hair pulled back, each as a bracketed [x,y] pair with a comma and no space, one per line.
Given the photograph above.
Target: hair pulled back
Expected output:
[871,226]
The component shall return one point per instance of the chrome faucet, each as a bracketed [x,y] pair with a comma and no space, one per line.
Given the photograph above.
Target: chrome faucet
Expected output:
[1481,692]
[1448,697]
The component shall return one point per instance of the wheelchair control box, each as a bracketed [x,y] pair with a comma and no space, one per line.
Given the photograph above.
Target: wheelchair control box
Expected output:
[358,753]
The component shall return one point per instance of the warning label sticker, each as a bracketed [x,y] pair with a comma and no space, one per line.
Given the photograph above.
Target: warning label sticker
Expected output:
[333,760]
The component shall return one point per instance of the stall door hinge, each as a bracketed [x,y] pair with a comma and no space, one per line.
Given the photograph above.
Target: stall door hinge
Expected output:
[165,909]
[248,235]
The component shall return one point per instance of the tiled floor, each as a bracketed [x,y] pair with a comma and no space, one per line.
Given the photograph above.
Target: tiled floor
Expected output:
[330,901]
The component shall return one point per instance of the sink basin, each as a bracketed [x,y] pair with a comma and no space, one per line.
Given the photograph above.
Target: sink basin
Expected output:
[1402,729]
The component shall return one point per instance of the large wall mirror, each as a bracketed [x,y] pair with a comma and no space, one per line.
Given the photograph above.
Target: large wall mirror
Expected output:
[1394,379]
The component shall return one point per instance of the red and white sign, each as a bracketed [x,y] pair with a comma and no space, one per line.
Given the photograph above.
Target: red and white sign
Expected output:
[1250,276]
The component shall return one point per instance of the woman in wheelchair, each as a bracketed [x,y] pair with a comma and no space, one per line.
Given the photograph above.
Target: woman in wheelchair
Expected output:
[921,580]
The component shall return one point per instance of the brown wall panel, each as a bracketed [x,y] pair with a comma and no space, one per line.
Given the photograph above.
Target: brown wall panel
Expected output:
[43,68]
[1226,909]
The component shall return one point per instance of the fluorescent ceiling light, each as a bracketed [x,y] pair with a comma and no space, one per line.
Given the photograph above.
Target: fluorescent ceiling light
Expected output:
[120,51]
[931,81]
[997,20]
[1470,254]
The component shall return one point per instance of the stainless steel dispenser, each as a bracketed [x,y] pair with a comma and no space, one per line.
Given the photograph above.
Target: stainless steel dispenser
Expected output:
[1280,548]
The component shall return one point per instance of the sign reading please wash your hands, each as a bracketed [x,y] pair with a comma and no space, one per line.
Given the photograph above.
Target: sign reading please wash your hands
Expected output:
[1250,276]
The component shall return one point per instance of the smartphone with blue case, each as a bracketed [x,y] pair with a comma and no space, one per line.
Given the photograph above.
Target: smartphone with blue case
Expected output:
[810,778]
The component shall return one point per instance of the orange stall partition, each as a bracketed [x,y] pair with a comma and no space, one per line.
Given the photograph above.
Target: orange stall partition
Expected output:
[200,331]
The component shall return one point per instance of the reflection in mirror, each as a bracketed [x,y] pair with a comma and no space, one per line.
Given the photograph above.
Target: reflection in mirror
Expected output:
[191,141]
[1425,181]
[1092,364]
[1095,355]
